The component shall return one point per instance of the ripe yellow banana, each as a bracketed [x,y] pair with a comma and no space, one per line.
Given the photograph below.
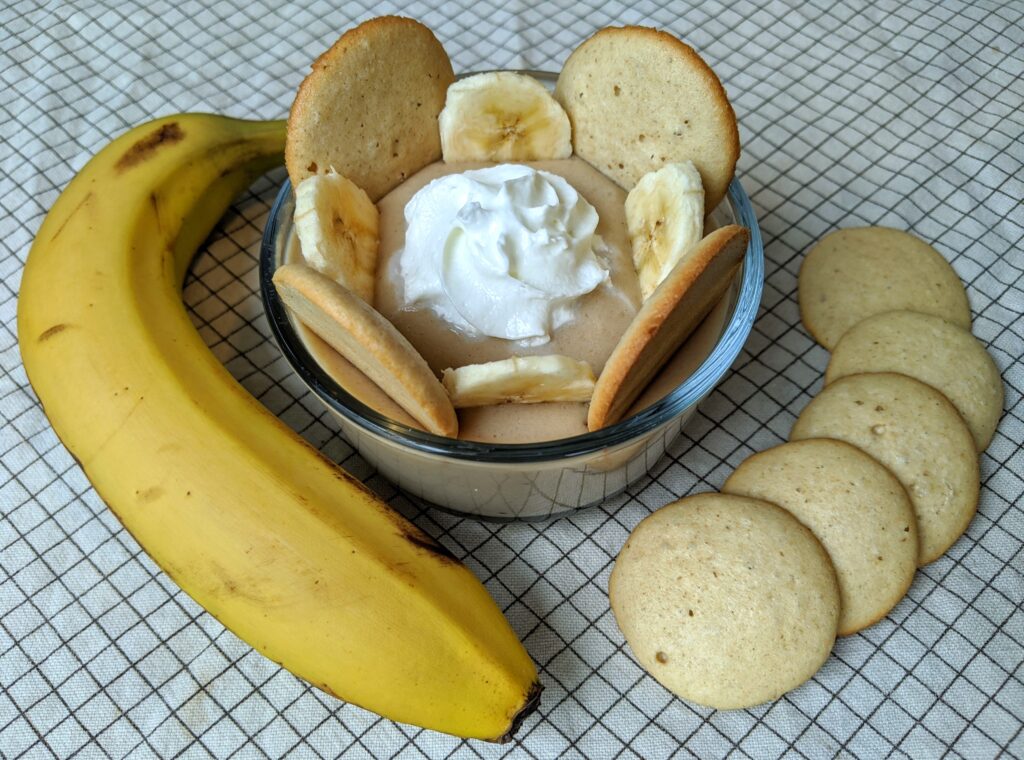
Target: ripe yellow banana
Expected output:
[284,548]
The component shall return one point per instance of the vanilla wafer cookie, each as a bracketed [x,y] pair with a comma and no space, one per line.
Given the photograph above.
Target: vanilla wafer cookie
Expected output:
[371,343]
[854,273]
[726,601]
[913,430]
[665,321]
[369,107]
[639,99]
[857,509]
[932,350]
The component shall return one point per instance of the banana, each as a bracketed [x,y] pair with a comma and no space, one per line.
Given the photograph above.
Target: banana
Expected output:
[665,218]
[502,116]
[338,229]
[285,549]
[520,380]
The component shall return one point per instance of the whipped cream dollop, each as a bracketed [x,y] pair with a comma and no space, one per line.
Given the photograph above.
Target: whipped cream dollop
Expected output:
[503,252]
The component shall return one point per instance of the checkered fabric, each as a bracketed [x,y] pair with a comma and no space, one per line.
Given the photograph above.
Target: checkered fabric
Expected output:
[906,114]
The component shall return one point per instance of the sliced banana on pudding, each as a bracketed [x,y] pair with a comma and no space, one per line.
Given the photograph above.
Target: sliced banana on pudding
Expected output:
[665,217]
[520,380]
[503,116]
[338,228]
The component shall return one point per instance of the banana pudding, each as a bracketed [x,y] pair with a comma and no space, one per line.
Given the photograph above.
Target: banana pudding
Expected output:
[588,327]
[504,251]
[379,117]
[552,284]
[517,279]
[559,280]
[554,278]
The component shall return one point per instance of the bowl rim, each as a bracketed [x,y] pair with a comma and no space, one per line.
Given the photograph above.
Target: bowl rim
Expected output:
[694,388]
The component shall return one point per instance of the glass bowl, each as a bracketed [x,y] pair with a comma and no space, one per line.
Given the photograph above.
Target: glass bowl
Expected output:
[530,480]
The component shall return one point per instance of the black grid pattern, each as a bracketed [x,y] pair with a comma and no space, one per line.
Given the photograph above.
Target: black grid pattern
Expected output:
[902,114]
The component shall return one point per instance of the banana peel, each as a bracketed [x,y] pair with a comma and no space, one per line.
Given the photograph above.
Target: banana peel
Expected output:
[288,551]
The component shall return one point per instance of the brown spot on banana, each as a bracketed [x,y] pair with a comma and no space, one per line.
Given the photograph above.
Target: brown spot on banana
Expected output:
[327,690]
[406,529]
[245,589]
[81,203]
[145,148]
[155,203]
[423,541]
[531,703]
[51,331]
[418,538]
[149,495]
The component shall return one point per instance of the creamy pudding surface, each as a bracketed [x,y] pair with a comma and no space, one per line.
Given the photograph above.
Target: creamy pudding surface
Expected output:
[593,328]
[600,317]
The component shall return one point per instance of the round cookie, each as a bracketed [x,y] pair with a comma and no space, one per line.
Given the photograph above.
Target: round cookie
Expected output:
[369,107]
[855,507]
[369,342]
[638,99]
[913,430]
[666,319]
[726,601]
[854,273]
[931,350]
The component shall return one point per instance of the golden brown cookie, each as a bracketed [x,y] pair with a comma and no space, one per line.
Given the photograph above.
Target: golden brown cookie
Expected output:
[640,98]
[355,383]
[932,350]
[858,272]
[371,343]
[665,320]
[726,601]
[369,107]
[913,430]
[856,508]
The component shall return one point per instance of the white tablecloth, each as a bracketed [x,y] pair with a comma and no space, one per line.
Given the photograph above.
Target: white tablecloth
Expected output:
[901,114]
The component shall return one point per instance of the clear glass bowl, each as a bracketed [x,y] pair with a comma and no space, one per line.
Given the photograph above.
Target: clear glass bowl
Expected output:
[519,481]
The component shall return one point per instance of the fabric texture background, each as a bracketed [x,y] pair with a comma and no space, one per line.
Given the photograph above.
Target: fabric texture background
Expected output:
[905,114]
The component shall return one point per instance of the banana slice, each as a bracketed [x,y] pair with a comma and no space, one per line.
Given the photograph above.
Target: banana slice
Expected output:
[665,219]
[520,380]
[501,116]
[338,229]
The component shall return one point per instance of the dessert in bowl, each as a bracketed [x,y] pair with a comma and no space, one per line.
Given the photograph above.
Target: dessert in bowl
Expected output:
[517,460]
